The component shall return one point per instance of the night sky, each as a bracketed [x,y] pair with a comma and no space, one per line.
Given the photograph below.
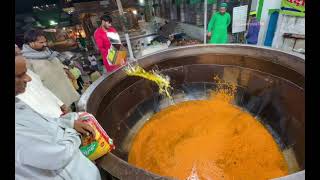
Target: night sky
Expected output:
[25,6]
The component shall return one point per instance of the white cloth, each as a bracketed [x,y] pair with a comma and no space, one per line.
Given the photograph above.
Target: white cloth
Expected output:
[48,148]
[50,70]
[40,98]
[93,60]
[55,79]
[114,37]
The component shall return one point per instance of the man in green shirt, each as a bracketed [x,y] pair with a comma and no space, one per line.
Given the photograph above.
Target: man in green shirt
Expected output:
[218,26]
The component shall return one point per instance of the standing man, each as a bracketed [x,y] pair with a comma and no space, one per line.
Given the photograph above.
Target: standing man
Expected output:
[218,26]
[101,36]
[253,29]
[48,148]
[45,63]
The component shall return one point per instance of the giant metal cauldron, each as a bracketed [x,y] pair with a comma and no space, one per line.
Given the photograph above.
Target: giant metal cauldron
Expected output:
[270,86]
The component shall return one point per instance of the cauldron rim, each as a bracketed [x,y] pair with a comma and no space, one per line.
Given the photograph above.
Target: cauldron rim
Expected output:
[291,60]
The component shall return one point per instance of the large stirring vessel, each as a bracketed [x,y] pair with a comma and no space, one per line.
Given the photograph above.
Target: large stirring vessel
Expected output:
[271,87]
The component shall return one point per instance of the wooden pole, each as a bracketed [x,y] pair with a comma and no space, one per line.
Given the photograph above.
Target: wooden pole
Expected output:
[131,57]
[205,22]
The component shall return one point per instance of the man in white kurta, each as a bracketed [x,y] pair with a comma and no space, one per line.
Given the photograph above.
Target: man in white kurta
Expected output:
[40,98]
[47,148]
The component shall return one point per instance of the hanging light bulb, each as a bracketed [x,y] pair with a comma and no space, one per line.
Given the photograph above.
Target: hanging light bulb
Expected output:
[141,2]
[135,12]
[52,22]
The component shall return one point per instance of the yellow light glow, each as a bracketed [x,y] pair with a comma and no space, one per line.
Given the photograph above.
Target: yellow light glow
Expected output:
[135,12]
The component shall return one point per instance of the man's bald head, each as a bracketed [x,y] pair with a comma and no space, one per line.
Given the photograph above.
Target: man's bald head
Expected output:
[21,78]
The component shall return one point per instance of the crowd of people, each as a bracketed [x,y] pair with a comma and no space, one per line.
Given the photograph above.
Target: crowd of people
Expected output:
[220,21]
[47,128]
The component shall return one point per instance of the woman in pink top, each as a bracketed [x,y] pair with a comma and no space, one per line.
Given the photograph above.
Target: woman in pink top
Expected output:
[103,42]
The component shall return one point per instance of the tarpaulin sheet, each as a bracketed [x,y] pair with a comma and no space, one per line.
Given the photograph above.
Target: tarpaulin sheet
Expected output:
[293,7]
